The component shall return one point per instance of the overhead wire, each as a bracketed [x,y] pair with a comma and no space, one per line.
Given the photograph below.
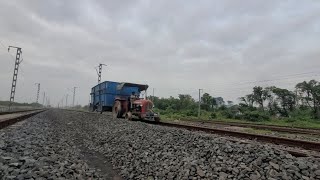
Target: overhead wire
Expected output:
[234,86]
[243,90]
[237,87]
[267,80]
[275,82]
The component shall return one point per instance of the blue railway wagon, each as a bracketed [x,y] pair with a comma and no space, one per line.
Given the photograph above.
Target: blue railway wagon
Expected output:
[104,94]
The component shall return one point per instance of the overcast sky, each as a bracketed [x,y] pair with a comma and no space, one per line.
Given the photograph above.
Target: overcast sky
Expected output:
[224,47]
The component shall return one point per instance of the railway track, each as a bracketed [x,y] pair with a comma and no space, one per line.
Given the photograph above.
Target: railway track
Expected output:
[306,145]
[286,129]
[21,115]
[293,143]
[18,111]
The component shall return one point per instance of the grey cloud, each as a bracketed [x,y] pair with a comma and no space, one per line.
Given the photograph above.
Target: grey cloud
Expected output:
[174,46]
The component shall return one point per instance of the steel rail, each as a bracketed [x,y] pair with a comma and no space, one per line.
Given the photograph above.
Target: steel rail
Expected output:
[309,145]
[301,130]
[270,139]
[18,111]
[7,122]
[265,127]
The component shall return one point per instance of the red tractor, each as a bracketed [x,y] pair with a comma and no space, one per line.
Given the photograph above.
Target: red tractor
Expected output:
[123,100]
[138,108]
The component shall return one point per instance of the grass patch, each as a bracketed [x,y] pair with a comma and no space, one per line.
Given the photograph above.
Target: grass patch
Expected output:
[298,119]
[256,131]
[273,121]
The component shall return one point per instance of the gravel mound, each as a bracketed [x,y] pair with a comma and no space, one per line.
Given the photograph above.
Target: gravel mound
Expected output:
[49,146]
[144,151]
[39,150]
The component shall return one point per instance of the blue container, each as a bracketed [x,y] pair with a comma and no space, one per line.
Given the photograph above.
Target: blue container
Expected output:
[107,92]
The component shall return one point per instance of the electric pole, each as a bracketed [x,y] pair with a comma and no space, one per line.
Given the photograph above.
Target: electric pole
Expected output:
[38,91]
[67,100]
[47,101]
[62,102]
[44,95]
[99,72]
[146,94]
[74,94]
[199,102]
[153,95]
[99,80]
[296,98]
[15,74]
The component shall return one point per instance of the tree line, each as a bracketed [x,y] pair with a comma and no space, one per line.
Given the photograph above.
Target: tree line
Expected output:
[282,102]
[263,103]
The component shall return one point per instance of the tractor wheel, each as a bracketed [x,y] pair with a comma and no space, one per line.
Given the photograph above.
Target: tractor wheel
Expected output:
[128,116]
[100,109]
[157,119]
[91,109]
[116,110]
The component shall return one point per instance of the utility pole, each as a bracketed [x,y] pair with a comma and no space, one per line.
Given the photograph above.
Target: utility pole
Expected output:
[99,72]
[44,95]
[67,100]
[47,101]
[99,80]
[62,102]
[146,94]
[15,73]
[74,94]
[296,98]
[199,102]
[38,91]
[153,95]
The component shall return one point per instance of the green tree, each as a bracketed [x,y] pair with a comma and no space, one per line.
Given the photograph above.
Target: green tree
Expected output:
[214,103]
[259,95]
[247,100]
[185,102]
[230,103]
[272,104]
[310,94]
[206,101]
[219,101]
[285,101]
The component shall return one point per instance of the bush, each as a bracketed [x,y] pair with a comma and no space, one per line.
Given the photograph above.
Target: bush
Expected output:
[213,115]
[231,114]
[301,114]
[222,108]
[255,116]
[190,113]
[227,113]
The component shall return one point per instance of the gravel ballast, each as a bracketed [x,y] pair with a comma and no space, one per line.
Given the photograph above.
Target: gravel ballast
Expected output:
[40,148]
[139,151]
